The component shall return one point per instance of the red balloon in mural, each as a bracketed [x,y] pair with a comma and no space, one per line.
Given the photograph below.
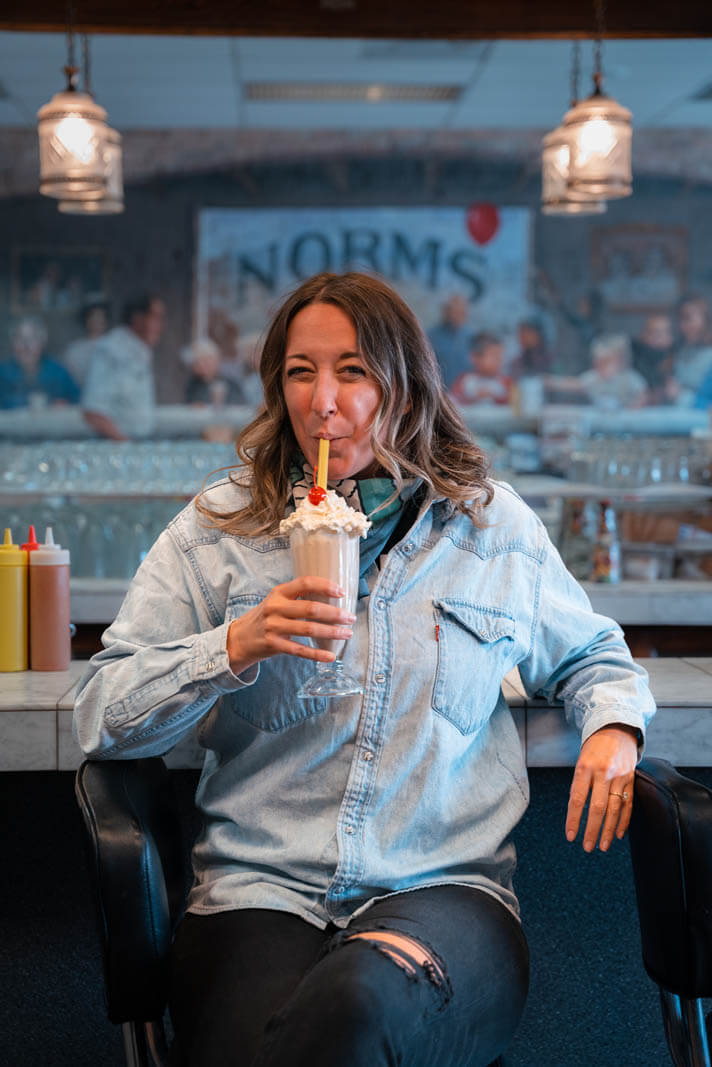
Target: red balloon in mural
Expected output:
[482,222]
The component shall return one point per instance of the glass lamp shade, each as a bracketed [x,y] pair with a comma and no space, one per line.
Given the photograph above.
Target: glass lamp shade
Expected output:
[556,199]
[72,132]
[600,135]
[112,200]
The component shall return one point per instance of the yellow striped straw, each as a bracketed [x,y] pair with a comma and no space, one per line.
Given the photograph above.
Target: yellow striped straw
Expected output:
[322,467]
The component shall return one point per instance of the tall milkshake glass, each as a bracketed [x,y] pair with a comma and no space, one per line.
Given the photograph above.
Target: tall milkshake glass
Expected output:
[324,543]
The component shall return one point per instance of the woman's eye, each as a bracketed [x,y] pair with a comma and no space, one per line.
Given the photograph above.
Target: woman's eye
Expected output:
[355,369]
[295,372]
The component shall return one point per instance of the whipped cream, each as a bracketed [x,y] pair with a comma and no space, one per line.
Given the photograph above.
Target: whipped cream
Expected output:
[333,513]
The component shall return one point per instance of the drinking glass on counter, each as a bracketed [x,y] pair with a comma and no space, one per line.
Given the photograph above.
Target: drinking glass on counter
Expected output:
[630,462]
[106,503]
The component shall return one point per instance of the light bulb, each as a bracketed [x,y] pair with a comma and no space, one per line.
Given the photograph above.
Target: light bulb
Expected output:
[77,137]
[595,138]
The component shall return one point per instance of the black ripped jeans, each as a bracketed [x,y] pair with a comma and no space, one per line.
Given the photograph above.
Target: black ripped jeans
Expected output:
[258,988]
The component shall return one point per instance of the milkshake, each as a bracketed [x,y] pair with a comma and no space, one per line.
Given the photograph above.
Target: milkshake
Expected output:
[324,541]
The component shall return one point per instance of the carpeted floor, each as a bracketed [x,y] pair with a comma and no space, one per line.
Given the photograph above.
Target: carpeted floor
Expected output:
[590,1005]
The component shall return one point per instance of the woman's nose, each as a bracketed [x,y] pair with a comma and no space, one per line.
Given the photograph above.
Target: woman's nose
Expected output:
[324,395]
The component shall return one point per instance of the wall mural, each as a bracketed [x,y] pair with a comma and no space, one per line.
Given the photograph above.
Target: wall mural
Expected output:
[640,268]
[247,259]
[56,280]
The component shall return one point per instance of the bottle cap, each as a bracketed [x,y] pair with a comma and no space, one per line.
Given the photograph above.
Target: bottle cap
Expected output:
[11,555]
[31,544]
[49,554]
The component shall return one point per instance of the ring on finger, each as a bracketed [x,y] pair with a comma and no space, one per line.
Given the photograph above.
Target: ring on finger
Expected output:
[623,796]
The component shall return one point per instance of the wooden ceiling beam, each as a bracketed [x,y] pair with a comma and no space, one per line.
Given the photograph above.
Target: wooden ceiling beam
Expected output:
[453,19]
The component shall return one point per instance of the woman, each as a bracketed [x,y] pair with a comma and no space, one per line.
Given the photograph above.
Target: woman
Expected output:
[206,384]
[694,354]
[610,384]
[352,901]
[31,378]
[94,320]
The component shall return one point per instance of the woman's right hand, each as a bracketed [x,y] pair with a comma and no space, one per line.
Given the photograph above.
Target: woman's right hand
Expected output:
[287,612]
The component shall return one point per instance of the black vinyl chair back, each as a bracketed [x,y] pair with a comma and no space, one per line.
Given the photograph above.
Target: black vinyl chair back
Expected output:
[671,848]
[136,848]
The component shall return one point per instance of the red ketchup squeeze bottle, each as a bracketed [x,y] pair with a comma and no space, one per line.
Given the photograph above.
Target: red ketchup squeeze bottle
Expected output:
[50,640]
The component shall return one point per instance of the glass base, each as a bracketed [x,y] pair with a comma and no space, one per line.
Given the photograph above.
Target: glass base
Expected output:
[330,680]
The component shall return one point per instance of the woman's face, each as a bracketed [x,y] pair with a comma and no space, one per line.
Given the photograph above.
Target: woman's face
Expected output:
[693,321]
[96,322]
[27,345]
[329,391]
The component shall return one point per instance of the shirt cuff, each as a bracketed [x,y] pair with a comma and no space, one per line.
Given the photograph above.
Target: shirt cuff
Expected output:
[212,664]
[616,717]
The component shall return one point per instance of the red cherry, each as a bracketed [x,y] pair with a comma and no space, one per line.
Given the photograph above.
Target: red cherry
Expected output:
[317,494]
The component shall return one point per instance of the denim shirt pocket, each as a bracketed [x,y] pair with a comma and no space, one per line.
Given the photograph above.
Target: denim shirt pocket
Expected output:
[475,644]
[272,703]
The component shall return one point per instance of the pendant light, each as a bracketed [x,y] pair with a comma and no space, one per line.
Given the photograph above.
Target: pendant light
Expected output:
[600,136]
[111,202]
[72,133]
[556,198]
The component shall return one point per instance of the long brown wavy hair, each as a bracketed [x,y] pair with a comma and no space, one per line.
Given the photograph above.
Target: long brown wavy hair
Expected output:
[417,430]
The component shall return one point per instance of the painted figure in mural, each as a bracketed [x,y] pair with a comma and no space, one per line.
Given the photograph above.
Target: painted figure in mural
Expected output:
[118,399]
[582,321]
[353,899]
[54,289]
[225,333]
[485,382]
[611,383]
[249,363]
[694,355]
[30,377]
[94,320]
[206,384]
[654,358]
[450,339]
[534,356]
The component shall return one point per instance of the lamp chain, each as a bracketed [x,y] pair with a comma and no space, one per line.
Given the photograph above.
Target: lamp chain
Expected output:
[71,68]
[575,71]
[598,44]
[86,64]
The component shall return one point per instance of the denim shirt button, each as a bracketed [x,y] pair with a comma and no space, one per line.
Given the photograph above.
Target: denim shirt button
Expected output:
[408,548]
[348,829]
[368,755]
[380,678]
[210,665]
[381,603]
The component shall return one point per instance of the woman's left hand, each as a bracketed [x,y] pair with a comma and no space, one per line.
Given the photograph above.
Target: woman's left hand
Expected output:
[605,769]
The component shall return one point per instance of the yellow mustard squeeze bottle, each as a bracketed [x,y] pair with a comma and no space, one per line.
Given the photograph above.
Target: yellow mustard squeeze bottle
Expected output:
[13,606]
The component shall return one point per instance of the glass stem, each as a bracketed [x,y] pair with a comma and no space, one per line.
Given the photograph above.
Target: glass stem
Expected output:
[323,668]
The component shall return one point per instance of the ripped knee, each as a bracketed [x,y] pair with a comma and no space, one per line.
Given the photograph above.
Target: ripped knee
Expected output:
[406,952]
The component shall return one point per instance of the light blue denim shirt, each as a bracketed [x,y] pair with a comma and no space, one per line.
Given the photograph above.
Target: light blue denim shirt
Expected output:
[318,807]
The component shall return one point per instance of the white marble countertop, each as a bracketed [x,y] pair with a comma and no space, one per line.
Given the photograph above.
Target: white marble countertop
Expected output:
[674,682]
[36,720]
[39,690]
